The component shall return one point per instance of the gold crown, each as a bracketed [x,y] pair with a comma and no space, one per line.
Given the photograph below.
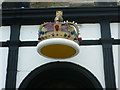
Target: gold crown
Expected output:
[59,29]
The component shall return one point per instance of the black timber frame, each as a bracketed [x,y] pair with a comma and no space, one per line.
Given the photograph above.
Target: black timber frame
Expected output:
[108,55]
[36,16]
[12,57]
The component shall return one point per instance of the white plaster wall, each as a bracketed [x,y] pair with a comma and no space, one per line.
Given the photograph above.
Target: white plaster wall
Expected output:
[115,56]
[119,67]
[4,33]
[3,66]
[90,31]
[29,32]
[114,30]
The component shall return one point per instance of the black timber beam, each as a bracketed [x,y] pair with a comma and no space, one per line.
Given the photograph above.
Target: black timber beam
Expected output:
[12,58]
[109,71]
[81,43]
[90,14]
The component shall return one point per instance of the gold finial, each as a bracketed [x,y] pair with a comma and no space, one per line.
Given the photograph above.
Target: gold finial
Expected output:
[59,13]
[58,17]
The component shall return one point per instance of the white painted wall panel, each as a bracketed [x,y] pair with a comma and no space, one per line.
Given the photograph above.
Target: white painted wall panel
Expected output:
[29,33]
[90,31]
[20,77]
[119,67]
[29,59]
[114,30]
[115,56]
[4,33]
[3,66]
